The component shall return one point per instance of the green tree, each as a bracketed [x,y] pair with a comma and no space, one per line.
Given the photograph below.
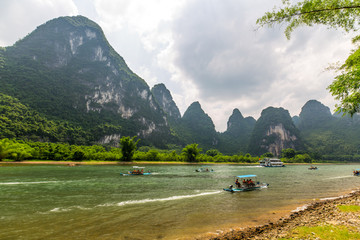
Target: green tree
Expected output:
[288,153]
[303,158]
[152,155]
[268,155]
[78,155]
[190,152]
[5,148]
[20,151]
[212,152]
[344,14]
[128,147]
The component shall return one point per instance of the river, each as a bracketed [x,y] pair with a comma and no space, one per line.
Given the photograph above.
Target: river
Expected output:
[174,202]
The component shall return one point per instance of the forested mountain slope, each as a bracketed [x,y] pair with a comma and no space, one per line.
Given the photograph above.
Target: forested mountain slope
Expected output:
[327,134]
[66,70]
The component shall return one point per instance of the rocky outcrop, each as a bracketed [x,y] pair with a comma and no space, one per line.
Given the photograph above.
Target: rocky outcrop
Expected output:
[284,139]
[164,99]
[273,132]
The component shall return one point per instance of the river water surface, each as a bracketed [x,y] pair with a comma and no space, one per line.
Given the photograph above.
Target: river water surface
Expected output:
[175,202]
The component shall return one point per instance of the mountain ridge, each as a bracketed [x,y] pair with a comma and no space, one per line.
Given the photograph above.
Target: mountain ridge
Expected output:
[67,75]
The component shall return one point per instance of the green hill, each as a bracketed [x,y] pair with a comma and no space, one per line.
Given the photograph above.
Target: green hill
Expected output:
[67,71]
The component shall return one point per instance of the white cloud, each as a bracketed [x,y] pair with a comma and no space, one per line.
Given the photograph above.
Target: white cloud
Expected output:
[203,50]
[234,67]
[20,17]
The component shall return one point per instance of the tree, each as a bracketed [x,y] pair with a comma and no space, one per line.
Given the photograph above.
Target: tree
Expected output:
[191,151]
[288,153]
[212,152]
[267,155]
[78,155]
[128,147]
[303,158]
[20,151]
[335,14]
[5,148]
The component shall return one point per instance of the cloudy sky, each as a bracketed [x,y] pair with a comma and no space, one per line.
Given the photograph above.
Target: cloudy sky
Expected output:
[209,51]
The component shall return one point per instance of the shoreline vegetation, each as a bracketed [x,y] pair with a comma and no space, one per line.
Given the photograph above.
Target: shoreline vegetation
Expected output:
[19,150]
[96,162]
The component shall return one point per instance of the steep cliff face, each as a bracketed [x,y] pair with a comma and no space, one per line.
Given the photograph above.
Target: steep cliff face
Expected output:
[67,69]
[273,132]
[163,97]
[282,139]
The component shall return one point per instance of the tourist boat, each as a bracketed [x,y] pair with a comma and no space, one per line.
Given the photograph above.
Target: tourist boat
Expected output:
[137,171]
[204,169]
[271,162]
[246,183]
[312,168]
[356,172]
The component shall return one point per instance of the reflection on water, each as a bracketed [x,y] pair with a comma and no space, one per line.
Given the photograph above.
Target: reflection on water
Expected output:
[92,202]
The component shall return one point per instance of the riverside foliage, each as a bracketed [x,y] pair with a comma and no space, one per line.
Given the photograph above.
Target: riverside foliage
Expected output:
[27,150]
[19,150]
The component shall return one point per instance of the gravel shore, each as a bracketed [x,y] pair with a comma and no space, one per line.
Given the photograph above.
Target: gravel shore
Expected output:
[320,213]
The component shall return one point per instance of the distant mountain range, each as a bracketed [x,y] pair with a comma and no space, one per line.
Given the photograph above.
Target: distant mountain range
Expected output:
[65,83]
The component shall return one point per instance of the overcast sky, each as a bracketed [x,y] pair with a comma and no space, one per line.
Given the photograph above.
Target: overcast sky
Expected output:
[203,50]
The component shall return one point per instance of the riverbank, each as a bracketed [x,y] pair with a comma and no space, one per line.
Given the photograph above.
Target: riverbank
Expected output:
[150,163]
[118,163]
[323,219]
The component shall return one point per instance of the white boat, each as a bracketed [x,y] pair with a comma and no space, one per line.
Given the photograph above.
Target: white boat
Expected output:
[271,162]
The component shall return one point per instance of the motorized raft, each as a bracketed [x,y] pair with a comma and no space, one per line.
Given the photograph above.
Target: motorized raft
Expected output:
[136,171]
[246,183]
[204,169]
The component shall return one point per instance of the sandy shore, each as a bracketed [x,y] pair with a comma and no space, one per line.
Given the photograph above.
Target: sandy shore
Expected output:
[320,213]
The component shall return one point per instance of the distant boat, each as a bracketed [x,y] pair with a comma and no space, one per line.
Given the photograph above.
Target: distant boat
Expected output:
[245,183]
[204,169]
[271,162]
[137,171]
[312,168]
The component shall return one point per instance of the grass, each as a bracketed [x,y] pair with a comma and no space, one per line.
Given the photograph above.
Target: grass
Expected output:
[327,232]
[349,208]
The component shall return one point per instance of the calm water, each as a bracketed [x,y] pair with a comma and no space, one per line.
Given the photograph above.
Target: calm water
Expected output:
[95,202]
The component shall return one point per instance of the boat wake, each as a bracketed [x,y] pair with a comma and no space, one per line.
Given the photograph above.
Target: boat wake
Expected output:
[20,183]
[257,166]
[69,209]
[143,201]
[347,176]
